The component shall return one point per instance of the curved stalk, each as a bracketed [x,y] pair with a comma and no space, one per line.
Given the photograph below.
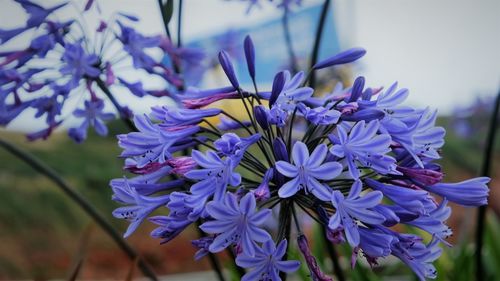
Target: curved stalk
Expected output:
[48,172]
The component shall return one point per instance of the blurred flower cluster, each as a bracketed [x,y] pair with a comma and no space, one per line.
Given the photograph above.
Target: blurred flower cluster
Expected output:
[471,120]
[357,160]
[69,66]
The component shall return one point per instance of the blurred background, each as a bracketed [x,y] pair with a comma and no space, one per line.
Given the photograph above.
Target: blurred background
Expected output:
[446,52]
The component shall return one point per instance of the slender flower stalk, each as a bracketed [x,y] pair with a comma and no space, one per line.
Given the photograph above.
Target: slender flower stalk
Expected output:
[81,202]
[485,172]
[317,40]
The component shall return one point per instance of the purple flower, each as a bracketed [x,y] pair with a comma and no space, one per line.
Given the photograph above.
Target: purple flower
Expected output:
[319,115]
[262,192]
[78,64]
[93,116]
[214,177]
[365,146]
[236,224]
[171,116]
[374,244]
[419,257]
[306,172]
[152,143]
[354,207]
[472,192]
[267,262]
[37,13]
[135,43]
[139,206]
[434,222]
[231,145]
[277,116]
[292,91]
[416,201]
[202,244]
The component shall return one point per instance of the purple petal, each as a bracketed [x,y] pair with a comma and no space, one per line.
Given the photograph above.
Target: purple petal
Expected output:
[341,58]
[289,189]
[286,169]
[300,153]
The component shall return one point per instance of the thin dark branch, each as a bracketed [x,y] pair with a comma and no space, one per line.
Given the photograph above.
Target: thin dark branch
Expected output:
[317,41]
[179,23]
[121,110]
[45,170]
[284,229]
[485,172]
[288,40]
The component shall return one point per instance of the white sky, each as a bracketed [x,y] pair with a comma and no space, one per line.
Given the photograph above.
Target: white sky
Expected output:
[445,51]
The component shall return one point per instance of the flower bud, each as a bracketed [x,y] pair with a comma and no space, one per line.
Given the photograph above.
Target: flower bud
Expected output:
[341,58]
[261,116]
[228,68]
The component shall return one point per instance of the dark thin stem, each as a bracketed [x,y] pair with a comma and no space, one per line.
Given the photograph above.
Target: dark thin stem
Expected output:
[121,110]
[164,19]
[485,172]
[333,255]
[179,24]
[285,228]
[289,140]
[214,262]
[317,41]
[288,40]
[45,170]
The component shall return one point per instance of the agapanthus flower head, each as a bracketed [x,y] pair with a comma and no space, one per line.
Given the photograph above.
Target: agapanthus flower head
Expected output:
[31,76]
[357,160]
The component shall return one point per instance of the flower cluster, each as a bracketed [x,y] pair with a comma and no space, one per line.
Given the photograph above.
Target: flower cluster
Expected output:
[357,160]
[69,66]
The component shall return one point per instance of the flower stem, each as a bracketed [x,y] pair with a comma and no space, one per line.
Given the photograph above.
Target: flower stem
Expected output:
[45,170]
[485,172]
[288,40]
[179,23]
[121,110]
[285,227]
[317,41]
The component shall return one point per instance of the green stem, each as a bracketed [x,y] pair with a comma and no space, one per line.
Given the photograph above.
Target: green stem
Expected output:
[45,170]
[485,172]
